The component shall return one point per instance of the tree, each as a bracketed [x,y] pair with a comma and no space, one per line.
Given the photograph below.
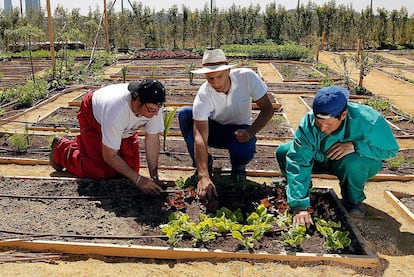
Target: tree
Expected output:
[173,23]
[273,20]
[185,22]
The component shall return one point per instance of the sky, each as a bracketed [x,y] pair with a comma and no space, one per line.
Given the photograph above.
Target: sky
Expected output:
[84,5]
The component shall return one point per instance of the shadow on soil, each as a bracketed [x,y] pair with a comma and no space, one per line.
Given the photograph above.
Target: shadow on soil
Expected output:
[383,235]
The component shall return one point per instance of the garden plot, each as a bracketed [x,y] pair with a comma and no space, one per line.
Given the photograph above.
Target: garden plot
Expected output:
[291,71]
[407,54]
[112,218]
[403,202]
[401,72]
[17,71]
[62,118]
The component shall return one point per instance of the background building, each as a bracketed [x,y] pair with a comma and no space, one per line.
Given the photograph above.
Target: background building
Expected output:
[32,4]
[8,5]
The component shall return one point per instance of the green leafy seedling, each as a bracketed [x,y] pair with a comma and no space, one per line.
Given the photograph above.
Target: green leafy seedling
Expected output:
[168,120]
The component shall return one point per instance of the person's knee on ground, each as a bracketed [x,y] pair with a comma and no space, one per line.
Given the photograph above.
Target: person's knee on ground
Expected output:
[353,171]
[281,153]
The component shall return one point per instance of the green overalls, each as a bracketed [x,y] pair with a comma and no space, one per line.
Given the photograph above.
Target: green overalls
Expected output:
[306,154]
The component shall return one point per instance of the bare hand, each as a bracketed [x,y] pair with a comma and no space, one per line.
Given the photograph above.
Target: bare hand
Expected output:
[303,217]
[148,186]
[242,135]
[206,190]
[340,150]
[164,184]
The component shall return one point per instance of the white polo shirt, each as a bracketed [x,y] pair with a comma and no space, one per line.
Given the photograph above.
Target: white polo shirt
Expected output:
[235,107]
[111,108]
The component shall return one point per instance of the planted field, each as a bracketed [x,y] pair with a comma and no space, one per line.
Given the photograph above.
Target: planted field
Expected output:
[112,212]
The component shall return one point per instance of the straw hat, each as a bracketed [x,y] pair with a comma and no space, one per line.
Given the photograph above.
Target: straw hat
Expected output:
[213,60]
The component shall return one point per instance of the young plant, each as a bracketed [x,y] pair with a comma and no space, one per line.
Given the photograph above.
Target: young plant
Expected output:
[175,229]
[168,120]
[334,239]
[258,222]
[379,104]
[201,232]
[346,64]
[295,235]
[228,221]
[124,72]
[19,142]
[191,74]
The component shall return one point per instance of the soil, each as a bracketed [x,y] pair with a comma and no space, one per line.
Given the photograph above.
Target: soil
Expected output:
[409,203]
[301,72]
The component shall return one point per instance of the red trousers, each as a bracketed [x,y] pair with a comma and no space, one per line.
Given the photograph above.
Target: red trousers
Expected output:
[83,156]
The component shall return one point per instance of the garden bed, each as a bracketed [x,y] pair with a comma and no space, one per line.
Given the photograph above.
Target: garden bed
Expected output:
[100,214]
[291,71]
[403,202]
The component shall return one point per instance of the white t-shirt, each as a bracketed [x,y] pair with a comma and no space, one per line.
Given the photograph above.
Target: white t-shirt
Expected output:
[235,107]
[111,108]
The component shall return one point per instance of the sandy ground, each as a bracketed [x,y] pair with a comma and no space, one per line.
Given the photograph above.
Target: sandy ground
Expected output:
[391,236]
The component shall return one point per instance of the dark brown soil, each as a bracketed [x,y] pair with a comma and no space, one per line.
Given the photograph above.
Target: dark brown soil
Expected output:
[302,72]
[96,210]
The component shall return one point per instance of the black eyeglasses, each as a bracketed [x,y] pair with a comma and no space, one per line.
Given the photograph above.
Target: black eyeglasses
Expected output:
[159,106]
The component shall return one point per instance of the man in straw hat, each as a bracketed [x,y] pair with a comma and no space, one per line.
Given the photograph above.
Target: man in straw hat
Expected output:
[108,142]
[221,118]
[337,137]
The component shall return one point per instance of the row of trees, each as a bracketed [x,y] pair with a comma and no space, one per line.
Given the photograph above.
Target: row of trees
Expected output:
[341,26]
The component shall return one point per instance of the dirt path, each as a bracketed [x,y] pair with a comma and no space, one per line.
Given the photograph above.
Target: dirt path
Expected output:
[379,83]
[32,115]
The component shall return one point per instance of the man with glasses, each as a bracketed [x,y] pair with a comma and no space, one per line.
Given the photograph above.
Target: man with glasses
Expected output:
[108,145]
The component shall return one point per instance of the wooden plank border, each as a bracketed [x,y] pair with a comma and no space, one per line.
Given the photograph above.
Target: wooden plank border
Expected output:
[394,198]
[139,251]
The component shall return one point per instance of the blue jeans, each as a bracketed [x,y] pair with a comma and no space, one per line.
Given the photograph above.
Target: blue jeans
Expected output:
[220,136]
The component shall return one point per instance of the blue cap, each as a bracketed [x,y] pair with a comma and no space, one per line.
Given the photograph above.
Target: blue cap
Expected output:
[330,101]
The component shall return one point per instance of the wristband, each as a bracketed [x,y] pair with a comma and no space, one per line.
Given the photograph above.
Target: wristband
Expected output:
[138,179]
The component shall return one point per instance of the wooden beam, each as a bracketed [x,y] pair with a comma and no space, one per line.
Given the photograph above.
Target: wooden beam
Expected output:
[170,253]
[394,198]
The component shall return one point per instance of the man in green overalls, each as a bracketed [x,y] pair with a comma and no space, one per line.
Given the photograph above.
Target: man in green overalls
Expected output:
[348,140]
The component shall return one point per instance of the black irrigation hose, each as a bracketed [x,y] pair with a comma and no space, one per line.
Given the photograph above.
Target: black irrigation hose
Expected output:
[27,235]
[91,197]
